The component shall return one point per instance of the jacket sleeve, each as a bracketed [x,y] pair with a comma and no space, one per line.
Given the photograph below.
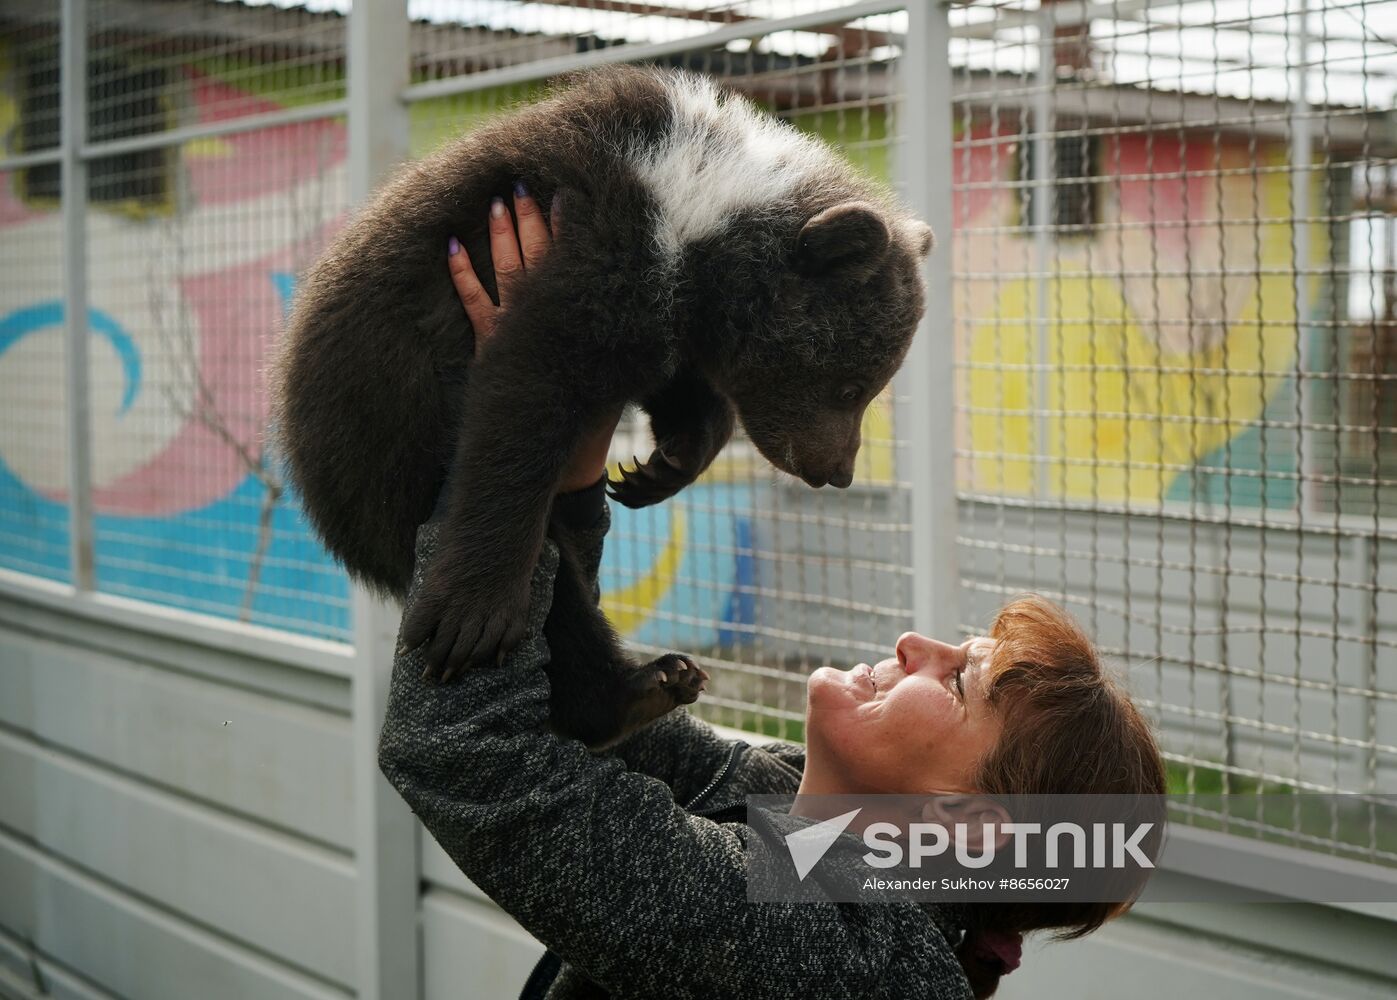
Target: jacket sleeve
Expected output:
[596,861]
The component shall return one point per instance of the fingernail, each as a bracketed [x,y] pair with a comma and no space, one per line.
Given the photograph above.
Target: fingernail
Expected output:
[453,247]
[520,191]
[497,208]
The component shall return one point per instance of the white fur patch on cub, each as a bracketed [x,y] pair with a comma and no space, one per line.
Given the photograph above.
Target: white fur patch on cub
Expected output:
[722,155]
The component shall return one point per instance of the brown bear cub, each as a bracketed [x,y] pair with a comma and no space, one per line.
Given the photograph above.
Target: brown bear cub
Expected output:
[713,262]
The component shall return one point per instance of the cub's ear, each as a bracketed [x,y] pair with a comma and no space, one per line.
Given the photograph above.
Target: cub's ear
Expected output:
[923,239]
[850,239]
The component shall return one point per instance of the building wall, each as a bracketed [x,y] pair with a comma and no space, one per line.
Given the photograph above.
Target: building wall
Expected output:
[1163,324]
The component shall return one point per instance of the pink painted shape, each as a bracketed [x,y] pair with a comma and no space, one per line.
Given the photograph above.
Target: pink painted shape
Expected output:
[238,315]
[260,161]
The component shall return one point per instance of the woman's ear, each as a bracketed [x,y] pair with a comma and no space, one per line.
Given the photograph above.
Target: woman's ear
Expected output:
[848,239]
[974,811]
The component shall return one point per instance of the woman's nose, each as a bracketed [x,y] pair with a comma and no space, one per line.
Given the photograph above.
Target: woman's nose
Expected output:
[916,652]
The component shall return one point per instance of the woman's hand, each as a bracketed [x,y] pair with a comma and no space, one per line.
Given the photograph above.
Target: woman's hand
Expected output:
[513,254]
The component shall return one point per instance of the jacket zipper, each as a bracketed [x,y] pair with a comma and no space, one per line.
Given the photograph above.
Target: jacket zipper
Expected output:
[733,752]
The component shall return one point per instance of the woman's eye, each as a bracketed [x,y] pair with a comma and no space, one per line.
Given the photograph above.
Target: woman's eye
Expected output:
[960,684]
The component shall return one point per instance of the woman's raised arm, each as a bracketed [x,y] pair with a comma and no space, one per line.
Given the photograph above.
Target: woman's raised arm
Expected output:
[602,866]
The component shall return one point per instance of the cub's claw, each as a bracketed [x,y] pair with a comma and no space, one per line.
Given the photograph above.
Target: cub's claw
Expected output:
[659,687]
[462,623]
[680,678]
[658,478]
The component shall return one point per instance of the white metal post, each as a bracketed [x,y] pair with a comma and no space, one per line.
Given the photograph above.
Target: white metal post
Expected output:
[73,98]
[1301,161]
[1044,192]
[386,834]
[925,419]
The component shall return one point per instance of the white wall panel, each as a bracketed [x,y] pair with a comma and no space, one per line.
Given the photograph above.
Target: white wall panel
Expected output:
[271,891]
[283,763]
[133,948]
[472,949]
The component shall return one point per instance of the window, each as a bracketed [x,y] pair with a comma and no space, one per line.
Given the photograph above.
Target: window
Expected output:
[1368,400]
[1074,162]
[124,100]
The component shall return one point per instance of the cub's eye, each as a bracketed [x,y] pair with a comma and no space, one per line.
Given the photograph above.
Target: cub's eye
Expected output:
[850,394]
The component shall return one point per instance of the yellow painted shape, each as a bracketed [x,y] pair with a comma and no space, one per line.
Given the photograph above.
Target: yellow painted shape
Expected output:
[9,108]
[208,148]
[1123,410]
[876,461]
[630,606]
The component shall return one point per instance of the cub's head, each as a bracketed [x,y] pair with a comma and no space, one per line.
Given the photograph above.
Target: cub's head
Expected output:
[828,330]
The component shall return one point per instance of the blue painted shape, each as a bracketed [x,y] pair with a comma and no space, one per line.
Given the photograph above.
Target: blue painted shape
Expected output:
[31,319]
[285,284]
[1253,450]
[33,530]
[199,560]
[742,601]
[702,597]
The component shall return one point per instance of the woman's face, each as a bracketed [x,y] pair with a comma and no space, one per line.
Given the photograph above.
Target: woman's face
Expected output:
[916,722]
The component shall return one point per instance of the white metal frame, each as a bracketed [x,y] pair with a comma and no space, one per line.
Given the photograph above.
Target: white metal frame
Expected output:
[73,48]
[925,418]
[386,832]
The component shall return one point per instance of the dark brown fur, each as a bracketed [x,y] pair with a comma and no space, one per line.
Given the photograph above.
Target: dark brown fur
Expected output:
[791,323]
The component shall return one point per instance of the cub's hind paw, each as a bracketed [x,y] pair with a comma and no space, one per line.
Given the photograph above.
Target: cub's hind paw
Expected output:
[656,689]
[679,677]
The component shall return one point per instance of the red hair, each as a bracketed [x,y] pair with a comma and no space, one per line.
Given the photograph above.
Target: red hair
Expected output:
[1069,729]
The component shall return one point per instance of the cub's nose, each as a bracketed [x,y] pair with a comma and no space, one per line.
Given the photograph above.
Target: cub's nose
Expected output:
[842,477]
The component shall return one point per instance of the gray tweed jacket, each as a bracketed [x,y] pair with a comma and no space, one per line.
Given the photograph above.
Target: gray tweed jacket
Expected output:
[630,865]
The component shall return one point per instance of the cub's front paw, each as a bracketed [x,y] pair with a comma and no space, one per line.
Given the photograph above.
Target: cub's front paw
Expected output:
[691,426]
[462,621]
[658,478]
[662,685]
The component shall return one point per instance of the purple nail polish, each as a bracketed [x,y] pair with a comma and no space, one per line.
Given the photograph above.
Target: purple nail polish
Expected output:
[520,191]
[453,247]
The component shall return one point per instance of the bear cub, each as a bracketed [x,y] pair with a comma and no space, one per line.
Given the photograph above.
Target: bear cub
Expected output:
[715,264]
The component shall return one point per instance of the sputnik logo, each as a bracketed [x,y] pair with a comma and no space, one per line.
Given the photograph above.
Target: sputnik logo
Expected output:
[809,844]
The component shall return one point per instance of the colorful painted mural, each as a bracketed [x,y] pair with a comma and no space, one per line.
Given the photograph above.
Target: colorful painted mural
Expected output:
[186,301]
[1164,335]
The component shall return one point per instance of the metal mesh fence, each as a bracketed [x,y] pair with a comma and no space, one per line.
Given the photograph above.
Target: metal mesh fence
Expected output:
[1174,307]
[197,223]
[33,478]
[1175,269]
[33,429]
[192,504]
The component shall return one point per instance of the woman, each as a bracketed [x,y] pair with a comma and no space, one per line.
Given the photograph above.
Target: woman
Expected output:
[630,865]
